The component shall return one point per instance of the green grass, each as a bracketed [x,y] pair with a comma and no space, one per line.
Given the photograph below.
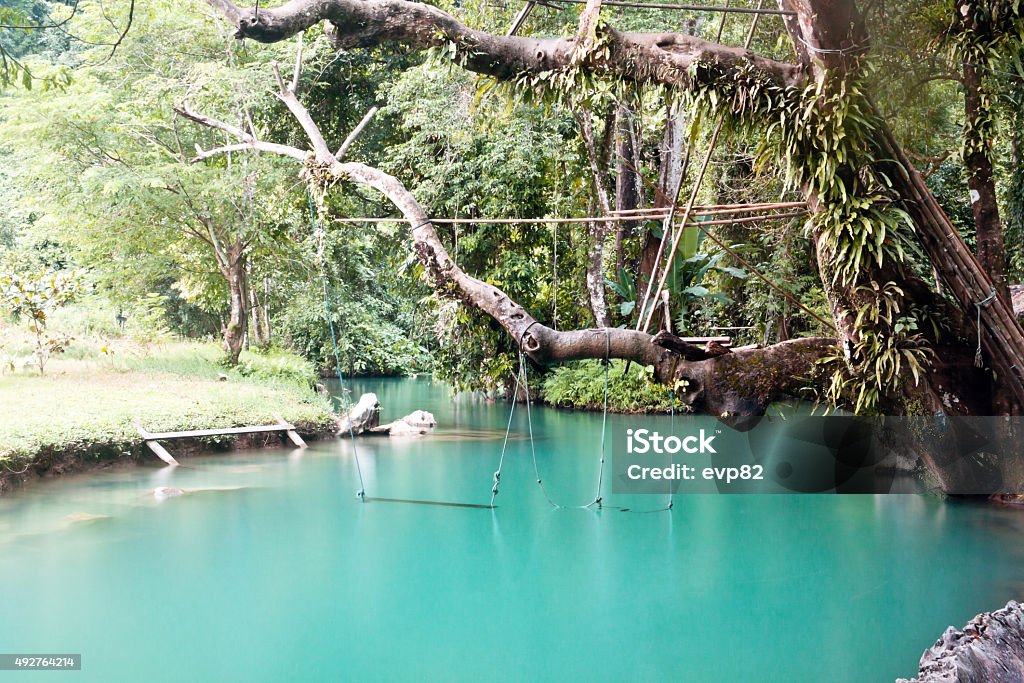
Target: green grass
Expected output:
[86,403]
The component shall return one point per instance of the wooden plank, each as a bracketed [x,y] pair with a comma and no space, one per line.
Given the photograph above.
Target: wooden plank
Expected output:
[724,341]
[292,434]
[222,431]
[142,430]
[161,452]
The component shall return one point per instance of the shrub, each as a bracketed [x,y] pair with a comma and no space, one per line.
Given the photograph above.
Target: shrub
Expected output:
[630,389]
[277,365]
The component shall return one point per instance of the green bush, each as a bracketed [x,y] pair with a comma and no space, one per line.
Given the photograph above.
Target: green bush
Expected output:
[275,365]
[370,341]
[630,390]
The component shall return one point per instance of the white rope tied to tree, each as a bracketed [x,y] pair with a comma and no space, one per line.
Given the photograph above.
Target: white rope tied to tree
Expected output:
[318,232]
[978,360]
[508,430]
[604,414]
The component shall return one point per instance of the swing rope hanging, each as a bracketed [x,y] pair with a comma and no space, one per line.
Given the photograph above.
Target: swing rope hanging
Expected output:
[319,233]
[522,380]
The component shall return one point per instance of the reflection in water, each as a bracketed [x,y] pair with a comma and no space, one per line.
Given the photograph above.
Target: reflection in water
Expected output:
[278,572]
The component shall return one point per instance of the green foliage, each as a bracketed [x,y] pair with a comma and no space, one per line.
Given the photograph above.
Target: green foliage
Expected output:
[986,35]
[576,85]
[369,343]
[277,365]
[689,279]
[1011,100]
[26,29]
[625,287]
[32,297]
[1015,216]
[581,385]
[823,137]
[108,176]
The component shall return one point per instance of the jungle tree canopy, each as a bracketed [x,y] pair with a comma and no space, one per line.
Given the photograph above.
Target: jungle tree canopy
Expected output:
[898,336]
[873,301]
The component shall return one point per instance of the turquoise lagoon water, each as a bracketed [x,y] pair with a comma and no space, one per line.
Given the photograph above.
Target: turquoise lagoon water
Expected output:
[276,572]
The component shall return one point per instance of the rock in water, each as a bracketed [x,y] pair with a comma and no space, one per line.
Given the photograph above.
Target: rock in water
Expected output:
[364,415]
[417,423]
[165,492]
[420,418]
[403,428]
[989,649]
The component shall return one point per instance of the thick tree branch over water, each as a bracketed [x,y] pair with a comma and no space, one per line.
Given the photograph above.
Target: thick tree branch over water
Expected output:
[641,57]
[740,384]
[829,41]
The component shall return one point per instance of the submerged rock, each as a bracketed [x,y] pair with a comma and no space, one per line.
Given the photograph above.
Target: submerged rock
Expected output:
[364,415]
[989,649]
[165,492]
[416,423]
[79,517]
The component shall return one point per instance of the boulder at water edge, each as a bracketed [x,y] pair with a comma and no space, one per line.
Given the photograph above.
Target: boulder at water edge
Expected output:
[364,415]
[989,649]
[417,423]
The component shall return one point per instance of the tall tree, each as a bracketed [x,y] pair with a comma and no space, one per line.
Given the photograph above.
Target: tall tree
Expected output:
[983,35]
[817,120]
[112,173]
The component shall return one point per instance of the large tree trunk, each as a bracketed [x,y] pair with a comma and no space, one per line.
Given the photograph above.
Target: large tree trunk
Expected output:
[259,304]
[982,185]
[265,335]
[627,182]
[833,31]
[238,321]
[672,166]
[598,229]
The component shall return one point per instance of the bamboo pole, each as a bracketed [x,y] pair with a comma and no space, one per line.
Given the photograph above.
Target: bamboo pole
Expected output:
[716,208]
[544,221]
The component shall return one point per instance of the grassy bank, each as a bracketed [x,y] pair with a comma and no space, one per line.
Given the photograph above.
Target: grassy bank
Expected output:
[81,412]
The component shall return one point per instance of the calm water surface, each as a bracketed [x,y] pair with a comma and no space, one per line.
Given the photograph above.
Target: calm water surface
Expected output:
[277,572]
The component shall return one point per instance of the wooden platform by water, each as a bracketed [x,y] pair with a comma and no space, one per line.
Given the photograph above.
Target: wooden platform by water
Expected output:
[153,439]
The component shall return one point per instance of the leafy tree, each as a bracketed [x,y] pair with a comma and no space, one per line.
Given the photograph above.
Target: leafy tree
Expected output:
[123,190]
[31,297]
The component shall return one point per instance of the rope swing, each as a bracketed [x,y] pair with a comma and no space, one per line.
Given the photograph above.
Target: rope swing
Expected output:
[978,360]
[522,380]
[319,233]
